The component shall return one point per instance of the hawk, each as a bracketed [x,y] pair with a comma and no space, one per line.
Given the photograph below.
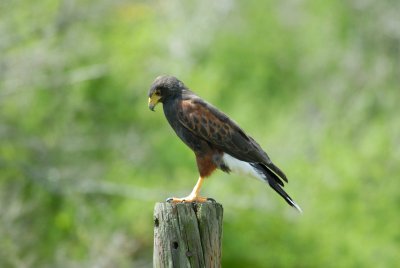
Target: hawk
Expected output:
[216,140]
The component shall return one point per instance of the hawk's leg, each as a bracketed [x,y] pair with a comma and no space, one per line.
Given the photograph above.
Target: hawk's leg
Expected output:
[193,196]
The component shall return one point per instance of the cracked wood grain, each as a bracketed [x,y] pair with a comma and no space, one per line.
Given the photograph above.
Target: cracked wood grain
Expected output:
[187,235]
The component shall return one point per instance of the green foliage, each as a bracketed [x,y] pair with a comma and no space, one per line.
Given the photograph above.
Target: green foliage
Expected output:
[83,160]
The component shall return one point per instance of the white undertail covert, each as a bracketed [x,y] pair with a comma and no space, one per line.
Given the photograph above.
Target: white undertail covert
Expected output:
[242,167]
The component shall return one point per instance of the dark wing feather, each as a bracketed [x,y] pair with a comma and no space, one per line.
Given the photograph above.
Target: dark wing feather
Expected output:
[207,122]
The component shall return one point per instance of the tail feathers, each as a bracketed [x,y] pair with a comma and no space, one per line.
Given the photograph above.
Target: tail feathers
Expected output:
[276,183]
[285,196]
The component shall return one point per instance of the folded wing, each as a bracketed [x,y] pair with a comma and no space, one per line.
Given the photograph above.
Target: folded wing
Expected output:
[207,122]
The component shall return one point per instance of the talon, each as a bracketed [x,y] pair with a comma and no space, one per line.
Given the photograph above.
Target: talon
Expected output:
[212,200]
[188,199]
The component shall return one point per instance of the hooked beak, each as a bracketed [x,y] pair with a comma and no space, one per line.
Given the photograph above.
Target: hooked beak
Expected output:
[153,101]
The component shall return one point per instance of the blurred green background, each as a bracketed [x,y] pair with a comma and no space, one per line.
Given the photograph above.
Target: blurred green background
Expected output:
[83,160]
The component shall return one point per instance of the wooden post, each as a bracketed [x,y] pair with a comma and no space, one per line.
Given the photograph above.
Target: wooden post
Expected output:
[187,235]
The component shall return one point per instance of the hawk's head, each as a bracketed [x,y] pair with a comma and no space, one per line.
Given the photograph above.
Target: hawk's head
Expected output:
[162,88]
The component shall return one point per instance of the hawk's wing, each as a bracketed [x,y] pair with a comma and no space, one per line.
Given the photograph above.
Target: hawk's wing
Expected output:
[207,122]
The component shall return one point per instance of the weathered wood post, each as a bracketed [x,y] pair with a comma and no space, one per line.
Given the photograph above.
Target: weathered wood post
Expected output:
[187,235]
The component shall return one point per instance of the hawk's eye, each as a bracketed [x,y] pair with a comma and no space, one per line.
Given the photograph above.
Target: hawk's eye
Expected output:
[157,93]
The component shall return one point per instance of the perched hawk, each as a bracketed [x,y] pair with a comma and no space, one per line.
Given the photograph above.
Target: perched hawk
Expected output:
[216,140]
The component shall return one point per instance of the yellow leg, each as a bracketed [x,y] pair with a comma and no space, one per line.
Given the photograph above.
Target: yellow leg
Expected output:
[193,196]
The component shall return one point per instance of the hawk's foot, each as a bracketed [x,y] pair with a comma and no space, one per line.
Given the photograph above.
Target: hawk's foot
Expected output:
[189,199]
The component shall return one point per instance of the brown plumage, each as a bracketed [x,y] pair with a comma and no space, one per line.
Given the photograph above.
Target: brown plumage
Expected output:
[216,140]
